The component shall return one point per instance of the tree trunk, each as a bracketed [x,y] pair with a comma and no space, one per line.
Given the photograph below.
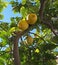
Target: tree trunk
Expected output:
[16,52]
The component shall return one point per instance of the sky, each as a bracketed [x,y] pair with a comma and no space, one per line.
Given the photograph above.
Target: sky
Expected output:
[8,13]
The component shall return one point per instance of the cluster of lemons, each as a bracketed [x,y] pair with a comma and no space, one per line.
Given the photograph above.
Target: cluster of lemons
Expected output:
[24,24]
[30,20]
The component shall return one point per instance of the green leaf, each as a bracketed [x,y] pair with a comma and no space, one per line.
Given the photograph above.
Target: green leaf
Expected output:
[4,37]
[2,61]
[13,3]
[23,2]
[2,44]
[3,33]
[23,11]
[13,22]
[55,39]
[4,26]
[12,30]
[1,7]
[5,4]
[56,4]
[48,46]
[8,49]
[49,56]
[1,16]
[51,62]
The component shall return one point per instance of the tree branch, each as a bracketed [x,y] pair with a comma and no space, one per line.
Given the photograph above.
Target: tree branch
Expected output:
[15,48]
[19,34]
[42,6]
[15,40]
[45,22]
[50,26]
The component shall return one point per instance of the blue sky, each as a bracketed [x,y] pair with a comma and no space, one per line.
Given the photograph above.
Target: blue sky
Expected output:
[7,12]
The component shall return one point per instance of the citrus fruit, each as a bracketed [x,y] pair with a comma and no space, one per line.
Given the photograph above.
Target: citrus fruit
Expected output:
[31,18]
[29,40]
[23,25]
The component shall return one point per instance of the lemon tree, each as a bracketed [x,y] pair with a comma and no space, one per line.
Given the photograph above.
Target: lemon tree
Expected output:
[31,38]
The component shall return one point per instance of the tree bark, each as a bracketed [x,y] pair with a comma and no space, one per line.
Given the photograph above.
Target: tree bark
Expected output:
[15,40]
[16,52]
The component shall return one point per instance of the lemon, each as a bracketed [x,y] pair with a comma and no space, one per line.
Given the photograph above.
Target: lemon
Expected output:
[29,40]
[31,18]
[23,25]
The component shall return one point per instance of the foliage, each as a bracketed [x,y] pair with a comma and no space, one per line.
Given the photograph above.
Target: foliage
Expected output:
[43,38]
[3,5]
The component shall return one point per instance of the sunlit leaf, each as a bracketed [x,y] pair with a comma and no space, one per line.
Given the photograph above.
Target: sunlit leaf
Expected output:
[1,16]
[23,2]
[12,30]
[37,51]
[2,61]
[23,11]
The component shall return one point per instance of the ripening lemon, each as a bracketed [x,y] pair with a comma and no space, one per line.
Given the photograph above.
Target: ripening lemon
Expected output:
[23,25]
[31,18]
[29,40]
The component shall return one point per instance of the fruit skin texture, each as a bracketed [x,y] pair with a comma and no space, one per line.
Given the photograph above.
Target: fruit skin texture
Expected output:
[23,25]
[29,40]
[31,18]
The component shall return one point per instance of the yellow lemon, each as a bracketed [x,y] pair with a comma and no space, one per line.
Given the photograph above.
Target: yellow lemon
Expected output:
[29,40]
[23,25]
[31,18]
